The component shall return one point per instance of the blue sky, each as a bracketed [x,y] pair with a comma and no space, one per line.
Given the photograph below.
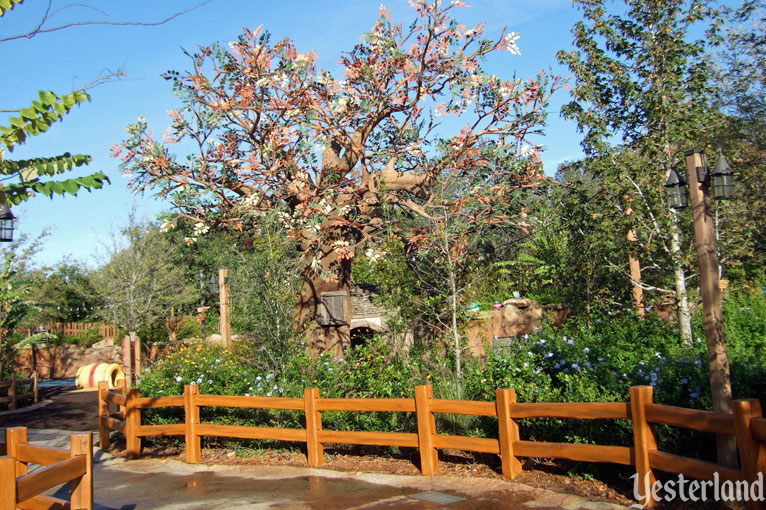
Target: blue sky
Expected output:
[64,60]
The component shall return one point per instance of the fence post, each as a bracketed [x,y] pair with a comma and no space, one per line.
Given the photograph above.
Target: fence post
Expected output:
[34,384]
[644,441]
[132,422]
[314,449]
[15,436]
[508,431]
[12,393]
[103,414]
[7,484]
[429,456]
[136,359]
[752,454]
[191,420]
[82,487]
[122,386]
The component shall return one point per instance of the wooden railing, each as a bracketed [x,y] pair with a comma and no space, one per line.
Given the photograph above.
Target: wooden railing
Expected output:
[75,328]
[746,424]
[13,385]
[18,489]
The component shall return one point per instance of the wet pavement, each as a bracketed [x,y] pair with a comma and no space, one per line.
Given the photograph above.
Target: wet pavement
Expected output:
[168,485]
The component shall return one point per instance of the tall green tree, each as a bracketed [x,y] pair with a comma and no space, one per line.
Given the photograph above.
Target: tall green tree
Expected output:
[643,87]
[141,279]
[643,90]
[741,75]
[62,293]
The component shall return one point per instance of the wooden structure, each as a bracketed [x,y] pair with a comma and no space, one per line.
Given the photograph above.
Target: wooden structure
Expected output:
[747,425]
[14,397]
[224,296]
[21,490]
[75,328]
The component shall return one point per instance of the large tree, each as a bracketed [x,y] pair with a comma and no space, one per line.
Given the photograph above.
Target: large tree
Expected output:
[644,90]
[141,280]
[271,130]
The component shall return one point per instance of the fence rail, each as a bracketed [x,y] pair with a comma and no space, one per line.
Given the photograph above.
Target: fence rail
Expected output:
[746,424]
[14,397]
[18,489]
[75,328]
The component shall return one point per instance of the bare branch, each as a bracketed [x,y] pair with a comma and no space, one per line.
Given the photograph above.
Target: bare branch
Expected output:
[41,30]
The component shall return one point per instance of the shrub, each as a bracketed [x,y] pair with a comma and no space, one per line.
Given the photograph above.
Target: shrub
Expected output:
[190,329]
[580,363]
[153,334]
[88,337]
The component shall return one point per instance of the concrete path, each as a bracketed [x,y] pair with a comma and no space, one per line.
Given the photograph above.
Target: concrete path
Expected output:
[168,484]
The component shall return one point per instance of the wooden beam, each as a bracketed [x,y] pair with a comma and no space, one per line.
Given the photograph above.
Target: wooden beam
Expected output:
[429,456]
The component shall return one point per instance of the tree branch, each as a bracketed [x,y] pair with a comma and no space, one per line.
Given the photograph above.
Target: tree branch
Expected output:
[41,30]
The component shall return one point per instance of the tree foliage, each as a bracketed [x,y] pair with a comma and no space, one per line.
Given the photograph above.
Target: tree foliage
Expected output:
[141,279]
[271,130]
[39,175]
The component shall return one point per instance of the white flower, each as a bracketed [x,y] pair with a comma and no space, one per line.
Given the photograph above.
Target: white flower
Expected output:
[510,43]
[201,229]
[190,240]
[179,378]
[373,255]
[167,226]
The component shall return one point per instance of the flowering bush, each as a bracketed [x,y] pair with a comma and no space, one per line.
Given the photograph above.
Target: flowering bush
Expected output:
[581,363]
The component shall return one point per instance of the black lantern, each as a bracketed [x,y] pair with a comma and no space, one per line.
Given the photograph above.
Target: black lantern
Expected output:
[676,185]
[6,223]
[214,285]
[723,179]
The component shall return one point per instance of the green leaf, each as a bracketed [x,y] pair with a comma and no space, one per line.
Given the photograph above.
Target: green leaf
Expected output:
[7,5]
[71,186]
[28,113]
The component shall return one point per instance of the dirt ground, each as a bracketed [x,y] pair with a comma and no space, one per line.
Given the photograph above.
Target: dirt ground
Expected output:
[77,411]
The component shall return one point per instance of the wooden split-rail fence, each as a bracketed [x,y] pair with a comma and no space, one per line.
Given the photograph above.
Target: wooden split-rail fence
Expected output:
[747,425]
[20,489]
[13,396]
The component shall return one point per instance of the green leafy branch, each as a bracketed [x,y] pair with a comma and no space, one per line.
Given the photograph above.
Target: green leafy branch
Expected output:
[39,117]
[32,121]
[7,5]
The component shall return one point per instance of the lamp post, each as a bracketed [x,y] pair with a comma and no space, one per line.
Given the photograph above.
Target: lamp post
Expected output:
[699,181]
[6,223]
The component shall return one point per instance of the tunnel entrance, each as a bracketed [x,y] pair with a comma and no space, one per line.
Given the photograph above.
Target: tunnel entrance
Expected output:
[361,336]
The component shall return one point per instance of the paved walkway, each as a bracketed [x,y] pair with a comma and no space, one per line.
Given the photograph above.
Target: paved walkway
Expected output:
[169,485]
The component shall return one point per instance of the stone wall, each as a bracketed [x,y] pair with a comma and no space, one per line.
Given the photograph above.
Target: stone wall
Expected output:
[62,361]
[516,318]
